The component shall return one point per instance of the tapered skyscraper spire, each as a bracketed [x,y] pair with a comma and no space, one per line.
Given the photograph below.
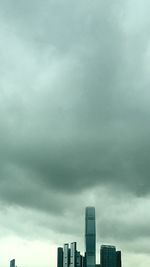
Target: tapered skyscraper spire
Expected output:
[90,237]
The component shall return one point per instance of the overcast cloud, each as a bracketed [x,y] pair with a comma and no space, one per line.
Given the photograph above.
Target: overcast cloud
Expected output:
[74,126]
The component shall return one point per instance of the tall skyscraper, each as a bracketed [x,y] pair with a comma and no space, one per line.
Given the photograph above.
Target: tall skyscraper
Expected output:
[66,256]
[108,256]
[81,260]
[84,260]
[118,254]
[73,253]
[12,263]
[78,259]
[90,237]
[59,257]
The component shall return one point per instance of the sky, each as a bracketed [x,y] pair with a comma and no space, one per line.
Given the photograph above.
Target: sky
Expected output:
[74,127]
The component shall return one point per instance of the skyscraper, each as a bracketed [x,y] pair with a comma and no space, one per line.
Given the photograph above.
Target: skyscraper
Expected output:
[73,253]
[12,263]
[78,259]
[90,237]
[60,257]
[84,261]
[108,256]
[66,256]
[118,254]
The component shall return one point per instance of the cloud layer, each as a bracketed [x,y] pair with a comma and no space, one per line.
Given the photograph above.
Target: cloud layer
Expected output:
[74,115]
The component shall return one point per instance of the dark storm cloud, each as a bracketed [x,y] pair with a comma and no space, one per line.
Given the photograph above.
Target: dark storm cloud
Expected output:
[74,108]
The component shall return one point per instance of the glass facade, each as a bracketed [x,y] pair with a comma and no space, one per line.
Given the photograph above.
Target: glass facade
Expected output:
[118,254]
[90,236]
[73,255]
[66,256]
[84,261]
[108,256]
[12,263]
[60,257]
[78,259]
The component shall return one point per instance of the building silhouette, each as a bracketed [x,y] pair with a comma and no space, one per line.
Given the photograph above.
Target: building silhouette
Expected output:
[73,254]
[90,237]
[12,263]
[118,255]
[108,256]
[69,256]
[66,257]
[60,257]
[78,259]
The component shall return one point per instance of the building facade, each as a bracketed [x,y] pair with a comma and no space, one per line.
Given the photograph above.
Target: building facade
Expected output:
[12,263]
[90,237]
[60,257]
[118,255]
[108,256]
[73,254]
[66,256]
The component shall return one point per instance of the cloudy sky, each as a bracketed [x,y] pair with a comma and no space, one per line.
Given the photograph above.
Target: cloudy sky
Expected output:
[74,127]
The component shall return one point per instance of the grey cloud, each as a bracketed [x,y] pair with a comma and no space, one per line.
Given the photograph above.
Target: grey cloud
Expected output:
[72,119]
[74,112]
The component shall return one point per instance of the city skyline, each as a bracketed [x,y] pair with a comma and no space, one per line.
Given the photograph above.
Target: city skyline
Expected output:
[69,256]
[74,127]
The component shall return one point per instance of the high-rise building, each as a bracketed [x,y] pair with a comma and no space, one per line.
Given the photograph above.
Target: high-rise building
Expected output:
[78,259]
[12,263]
[81,260]
[90,237]
[73,252]
[118,255]
[66,256]
[84,260]
[108,256]
[59,257]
